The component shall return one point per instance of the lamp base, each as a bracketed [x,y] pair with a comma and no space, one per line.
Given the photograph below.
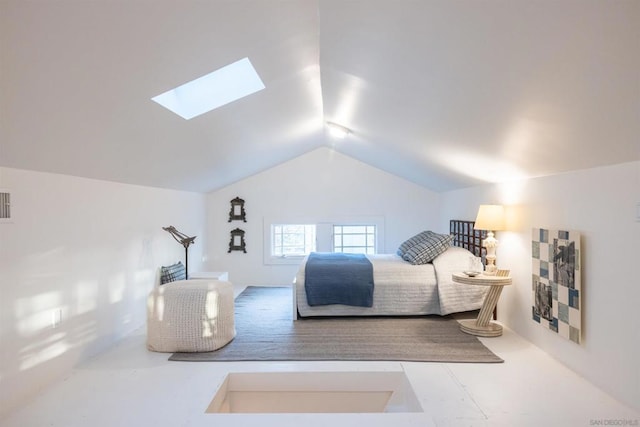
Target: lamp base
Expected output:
[490,243]
[490,269]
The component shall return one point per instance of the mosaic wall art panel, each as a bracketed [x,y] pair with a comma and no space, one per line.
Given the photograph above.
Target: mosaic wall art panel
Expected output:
[556,286]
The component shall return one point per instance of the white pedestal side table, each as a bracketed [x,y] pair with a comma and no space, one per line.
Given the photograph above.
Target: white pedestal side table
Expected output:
[483,326]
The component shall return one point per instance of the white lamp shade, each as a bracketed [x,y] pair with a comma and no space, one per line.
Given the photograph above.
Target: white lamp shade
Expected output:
[490,217]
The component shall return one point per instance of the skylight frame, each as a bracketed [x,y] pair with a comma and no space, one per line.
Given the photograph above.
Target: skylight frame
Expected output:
[214,90]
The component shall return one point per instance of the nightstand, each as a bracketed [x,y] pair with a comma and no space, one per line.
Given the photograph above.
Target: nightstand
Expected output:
[483,326]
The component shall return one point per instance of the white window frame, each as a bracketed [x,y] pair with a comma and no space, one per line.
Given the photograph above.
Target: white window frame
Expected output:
[309,233]
[366,234]
[324,233]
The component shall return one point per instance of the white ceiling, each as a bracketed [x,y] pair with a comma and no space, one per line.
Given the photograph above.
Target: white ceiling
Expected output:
[445,93]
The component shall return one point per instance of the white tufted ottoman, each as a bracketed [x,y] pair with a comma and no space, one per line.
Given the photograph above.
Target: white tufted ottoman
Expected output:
[190,316]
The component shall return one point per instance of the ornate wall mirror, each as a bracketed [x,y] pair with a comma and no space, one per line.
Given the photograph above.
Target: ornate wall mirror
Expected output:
[237,211]
[237,242]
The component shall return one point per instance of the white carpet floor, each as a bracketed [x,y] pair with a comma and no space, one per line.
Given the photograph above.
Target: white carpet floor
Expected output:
[129,386]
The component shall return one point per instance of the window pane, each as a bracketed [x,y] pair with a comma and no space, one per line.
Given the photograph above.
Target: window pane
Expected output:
[352,250]
[353,229]
[371,240]
[354,238]
[291,250]
[293,239]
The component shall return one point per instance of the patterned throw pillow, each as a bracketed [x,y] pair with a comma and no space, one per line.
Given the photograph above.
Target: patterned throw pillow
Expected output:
[427,250]
[407,244]
[172,273]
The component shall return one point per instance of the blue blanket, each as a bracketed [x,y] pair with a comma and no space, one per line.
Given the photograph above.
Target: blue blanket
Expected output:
[337,278]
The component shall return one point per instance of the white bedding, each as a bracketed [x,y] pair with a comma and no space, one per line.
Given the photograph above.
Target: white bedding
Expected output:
[403,289]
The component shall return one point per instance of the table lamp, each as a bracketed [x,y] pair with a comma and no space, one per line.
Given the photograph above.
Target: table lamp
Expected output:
[490,218]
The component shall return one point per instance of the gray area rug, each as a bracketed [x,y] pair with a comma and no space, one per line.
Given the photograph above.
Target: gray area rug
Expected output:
[266,331]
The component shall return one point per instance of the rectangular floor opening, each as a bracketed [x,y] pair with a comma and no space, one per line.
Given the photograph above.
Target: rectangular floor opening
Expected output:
[315,392]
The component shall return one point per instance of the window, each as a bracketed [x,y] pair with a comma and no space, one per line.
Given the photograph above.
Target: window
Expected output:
[292,240]
[213,90]
[355,239]
[287,239]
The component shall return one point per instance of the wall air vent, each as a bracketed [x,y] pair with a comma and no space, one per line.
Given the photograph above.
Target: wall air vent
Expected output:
[5,206]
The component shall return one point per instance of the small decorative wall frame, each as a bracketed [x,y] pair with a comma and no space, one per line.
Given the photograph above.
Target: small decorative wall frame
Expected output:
[237,211]
[237,242]
[556,281]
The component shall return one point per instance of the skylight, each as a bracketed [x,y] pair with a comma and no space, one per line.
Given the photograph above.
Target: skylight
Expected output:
[212,90]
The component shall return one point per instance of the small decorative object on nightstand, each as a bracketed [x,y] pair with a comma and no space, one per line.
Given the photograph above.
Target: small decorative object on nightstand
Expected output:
[483,326]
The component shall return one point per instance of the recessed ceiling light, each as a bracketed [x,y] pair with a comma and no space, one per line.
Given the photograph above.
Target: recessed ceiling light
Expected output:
[212,90]
[338,131]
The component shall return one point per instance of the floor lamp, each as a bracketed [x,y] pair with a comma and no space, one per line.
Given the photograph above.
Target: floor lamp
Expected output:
[185,241]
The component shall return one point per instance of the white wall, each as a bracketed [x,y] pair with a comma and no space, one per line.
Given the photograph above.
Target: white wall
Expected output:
[600,204]
[90,249]
[322,184]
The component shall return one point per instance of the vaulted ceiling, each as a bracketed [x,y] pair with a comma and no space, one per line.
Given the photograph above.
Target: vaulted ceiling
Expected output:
[444,93]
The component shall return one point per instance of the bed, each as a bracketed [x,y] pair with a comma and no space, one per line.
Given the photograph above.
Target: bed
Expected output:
[404,289]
